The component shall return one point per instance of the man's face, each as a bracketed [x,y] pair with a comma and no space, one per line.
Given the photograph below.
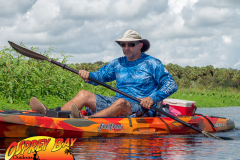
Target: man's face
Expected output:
[132,50]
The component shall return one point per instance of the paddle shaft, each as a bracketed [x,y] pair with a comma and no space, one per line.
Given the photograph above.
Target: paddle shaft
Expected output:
[129,96]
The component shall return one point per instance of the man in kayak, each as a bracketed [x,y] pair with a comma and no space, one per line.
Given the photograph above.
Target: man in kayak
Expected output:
[136,74]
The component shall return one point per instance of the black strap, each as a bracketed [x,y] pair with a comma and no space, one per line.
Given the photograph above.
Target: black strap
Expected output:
[210,122]
[64,66]
[129,118]
[144,112]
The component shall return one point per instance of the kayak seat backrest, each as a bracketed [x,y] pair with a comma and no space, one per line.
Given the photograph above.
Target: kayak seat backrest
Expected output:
[164,107]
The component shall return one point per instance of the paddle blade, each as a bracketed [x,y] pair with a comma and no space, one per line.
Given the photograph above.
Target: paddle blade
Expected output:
[229,138]
[27,52]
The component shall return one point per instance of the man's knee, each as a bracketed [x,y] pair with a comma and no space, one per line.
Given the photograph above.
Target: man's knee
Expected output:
[124,105]
[86,98]
[122,102]
[83,94]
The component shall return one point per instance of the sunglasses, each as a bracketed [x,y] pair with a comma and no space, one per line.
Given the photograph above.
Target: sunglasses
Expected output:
[130,44]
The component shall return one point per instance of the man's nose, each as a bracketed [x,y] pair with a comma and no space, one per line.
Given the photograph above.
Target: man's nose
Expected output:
[126,47]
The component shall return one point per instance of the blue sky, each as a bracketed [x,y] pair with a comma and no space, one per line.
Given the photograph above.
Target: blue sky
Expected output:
[183,32]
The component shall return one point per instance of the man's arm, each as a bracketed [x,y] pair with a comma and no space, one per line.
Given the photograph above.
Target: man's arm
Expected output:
[167,83]
[104,74]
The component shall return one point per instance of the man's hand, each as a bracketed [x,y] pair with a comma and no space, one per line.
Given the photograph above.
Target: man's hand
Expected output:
[146,102]
[84,75]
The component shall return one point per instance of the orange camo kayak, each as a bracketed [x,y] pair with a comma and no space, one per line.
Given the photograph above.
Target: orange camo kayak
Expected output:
[28,123]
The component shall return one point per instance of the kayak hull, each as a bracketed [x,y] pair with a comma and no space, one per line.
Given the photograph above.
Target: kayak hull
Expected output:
[14,125]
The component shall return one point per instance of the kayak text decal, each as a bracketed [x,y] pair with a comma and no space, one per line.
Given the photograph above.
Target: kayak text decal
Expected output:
[41,147]
[110,126]
[220,125]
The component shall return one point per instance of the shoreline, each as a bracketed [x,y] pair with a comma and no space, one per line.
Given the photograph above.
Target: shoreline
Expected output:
[203,99]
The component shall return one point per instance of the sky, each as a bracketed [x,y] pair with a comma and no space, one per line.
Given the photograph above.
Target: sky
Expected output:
[183,32]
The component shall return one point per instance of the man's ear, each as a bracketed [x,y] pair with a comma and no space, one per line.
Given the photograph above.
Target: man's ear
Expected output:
[140,45]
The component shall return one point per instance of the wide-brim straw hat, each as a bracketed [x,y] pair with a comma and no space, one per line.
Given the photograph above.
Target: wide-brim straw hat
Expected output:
[131,35]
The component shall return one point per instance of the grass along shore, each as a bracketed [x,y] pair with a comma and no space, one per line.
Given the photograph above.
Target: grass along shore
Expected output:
[203,98]
[22,78]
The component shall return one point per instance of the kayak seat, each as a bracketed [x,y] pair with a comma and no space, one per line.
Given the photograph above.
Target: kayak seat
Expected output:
[164,107]
[61,114]
[152,113]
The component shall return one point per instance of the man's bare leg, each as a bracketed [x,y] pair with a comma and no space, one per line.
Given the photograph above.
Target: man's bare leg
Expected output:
[83,98]
[119,107]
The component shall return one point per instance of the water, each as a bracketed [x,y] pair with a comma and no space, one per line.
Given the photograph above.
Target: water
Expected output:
[160,147]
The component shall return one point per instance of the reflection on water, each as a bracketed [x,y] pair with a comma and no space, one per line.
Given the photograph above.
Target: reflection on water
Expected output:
[158,147]
[151,147]
[135,147]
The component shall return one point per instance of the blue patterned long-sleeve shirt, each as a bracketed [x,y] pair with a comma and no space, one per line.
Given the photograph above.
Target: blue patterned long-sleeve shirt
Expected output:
[140,78]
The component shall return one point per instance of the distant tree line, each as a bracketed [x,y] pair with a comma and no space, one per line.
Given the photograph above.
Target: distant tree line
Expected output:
[208,77]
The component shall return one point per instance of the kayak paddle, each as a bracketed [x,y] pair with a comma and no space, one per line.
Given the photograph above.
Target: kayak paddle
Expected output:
[34,55]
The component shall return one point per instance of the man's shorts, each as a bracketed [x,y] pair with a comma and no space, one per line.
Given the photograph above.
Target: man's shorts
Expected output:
[103,102]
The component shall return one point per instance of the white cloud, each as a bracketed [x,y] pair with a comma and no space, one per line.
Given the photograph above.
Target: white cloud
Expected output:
[210,16]
[176,6]
[227,39]
[183,32]
[84,8]
[128,9]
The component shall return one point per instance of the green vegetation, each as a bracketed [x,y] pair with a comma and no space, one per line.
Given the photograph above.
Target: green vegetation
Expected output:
[22,78]
[209,98]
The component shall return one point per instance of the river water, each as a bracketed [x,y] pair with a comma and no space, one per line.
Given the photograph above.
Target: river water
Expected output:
[160,147]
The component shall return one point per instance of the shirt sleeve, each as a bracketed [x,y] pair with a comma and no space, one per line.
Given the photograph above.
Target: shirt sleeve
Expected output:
[104,74]
[165,80]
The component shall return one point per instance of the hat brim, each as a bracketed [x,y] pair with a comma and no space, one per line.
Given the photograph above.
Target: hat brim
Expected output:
[146,43]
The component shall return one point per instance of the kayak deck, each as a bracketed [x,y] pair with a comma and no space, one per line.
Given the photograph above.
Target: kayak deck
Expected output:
[29,123]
